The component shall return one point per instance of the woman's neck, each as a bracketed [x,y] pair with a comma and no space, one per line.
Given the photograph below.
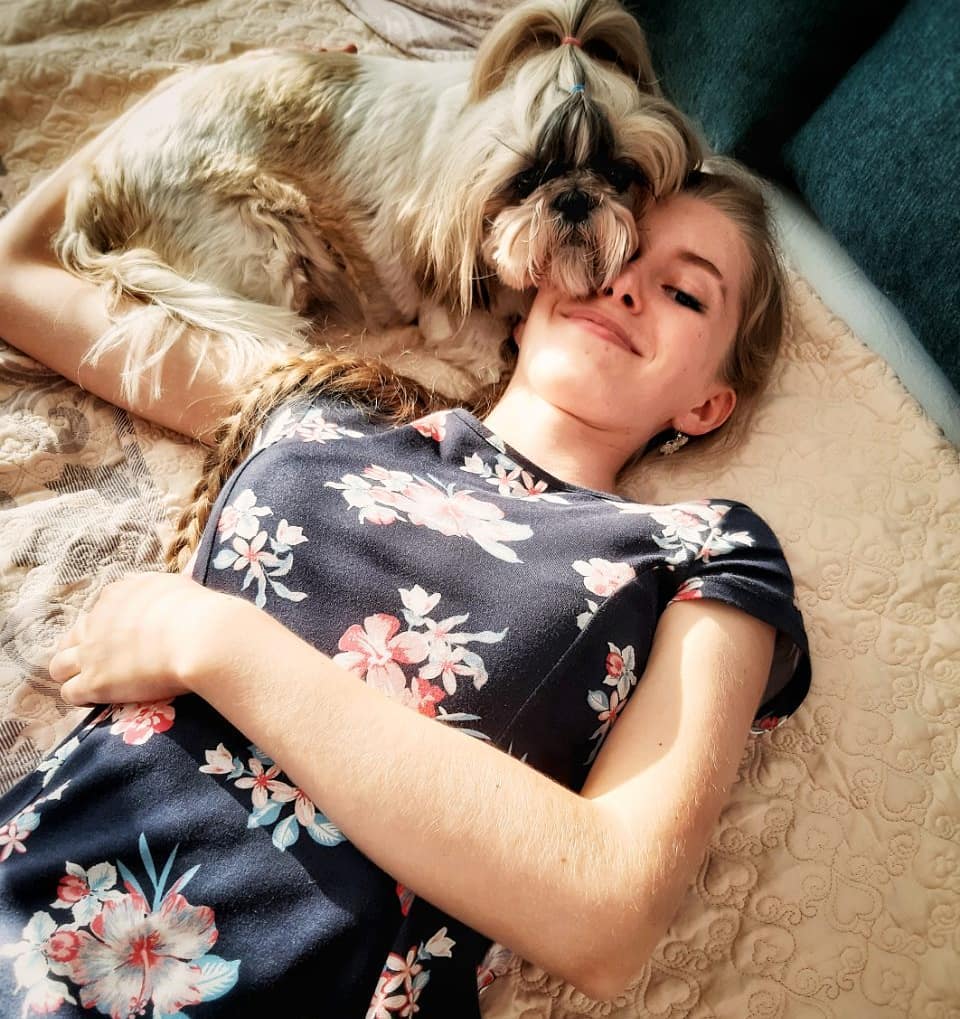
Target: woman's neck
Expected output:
[565,446]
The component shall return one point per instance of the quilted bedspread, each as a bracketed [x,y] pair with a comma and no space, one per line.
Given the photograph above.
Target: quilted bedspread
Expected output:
[831,889]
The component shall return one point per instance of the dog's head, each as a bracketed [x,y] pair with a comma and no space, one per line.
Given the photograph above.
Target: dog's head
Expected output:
[567,138]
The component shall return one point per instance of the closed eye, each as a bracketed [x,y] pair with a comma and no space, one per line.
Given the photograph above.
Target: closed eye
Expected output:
[686,300]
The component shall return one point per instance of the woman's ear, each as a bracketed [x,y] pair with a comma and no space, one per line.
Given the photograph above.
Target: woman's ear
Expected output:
[518,331]
[709,415]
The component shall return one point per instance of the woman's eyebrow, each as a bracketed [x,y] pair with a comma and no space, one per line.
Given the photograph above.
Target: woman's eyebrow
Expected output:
[694,259]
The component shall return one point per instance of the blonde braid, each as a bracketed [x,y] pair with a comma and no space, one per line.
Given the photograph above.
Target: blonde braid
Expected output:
[365,382]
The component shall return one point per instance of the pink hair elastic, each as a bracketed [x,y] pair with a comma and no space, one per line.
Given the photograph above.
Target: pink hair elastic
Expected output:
[571,40]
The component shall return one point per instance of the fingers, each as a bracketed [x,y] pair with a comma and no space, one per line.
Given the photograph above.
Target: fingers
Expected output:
[65,664]
[71,693]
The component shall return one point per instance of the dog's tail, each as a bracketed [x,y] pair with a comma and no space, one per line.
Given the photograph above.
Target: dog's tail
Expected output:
[248,334]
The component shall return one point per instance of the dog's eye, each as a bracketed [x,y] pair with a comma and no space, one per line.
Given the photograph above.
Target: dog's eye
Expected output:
[621,173]
[526,182]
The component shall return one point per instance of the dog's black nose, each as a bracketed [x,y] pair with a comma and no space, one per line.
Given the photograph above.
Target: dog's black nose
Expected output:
[574,205]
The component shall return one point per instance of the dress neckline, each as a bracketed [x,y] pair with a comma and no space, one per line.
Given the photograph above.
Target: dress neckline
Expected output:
[525,463]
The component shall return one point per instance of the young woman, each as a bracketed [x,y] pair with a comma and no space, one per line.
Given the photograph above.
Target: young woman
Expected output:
[430,622]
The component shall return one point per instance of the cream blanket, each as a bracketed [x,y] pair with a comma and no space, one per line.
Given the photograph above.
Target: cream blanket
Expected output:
[832,886]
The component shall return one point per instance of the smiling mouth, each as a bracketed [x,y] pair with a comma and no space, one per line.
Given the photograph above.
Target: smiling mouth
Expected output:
[604,328]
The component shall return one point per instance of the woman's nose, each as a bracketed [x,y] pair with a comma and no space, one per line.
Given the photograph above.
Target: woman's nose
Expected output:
[625,289]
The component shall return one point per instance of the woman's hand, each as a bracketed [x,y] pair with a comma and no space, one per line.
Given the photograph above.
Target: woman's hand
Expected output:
[149,637]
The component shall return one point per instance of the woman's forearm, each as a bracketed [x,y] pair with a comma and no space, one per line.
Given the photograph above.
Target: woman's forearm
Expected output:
[56,318]
[476,832]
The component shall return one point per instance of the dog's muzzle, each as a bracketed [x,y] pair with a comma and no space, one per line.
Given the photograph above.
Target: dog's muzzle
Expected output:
[575,206]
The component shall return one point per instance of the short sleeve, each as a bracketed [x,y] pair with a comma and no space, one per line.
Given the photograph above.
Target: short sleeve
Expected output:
[741,563]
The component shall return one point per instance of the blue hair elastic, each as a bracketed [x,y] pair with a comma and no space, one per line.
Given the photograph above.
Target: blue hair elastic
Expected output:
[574,89]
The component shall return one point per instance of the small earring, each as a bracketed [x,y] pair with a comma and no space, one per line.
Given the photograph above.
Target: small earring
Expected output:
[672,445]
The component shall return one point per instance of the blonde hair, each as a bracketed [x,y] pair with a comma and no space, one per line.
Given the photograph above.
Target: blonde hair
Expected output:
[731,189]
[395,399]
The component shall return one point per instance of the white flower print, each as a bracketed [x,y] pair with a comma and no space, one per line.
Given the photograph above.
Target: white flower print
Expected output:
[314,427]
[241,517]
[269,795]
[219,762]
[440,946]
[386,497]
[602,577]
[85,891]
[583,620]
[33,956]
[311,426]
[49,766]
[418,604]
[248,551]
[510,479]
[691,530]
[405,976]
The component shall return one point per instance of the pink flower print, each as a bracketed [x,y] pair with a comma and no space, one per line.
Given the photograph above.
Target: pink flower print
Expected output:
[459,513]
[133,958]
[406,898]
[12,838]
[381,515]
[373,650]
[433,426]
[612,712]
[303,807]
[615,665]
[71,889]
[447,663]
[602,577]
[139,722]
[241,517]
[63,946]
[767,724]
[263,783]
[689,590]
[424,696]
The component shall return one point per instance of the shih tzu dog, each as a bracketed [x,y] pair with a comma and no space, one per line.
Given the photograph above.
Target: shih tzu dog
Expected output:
[266,199]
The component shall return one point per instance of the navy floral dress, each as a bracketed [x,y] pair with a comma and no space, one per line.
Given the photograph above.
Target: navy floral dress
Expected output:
[159,865]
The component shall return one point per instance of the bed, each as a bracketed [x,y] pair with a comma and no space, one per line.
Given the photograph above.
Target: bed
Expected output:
[831,888]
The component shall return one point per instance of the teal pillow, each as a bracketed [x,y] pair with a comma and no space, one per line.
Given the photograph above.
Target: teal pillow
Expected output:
[750,72]
[878,164]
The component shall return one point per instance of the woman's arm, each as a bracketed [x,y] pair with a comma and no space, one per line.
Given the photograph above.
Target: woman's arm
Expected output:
[56,317]
[583,885]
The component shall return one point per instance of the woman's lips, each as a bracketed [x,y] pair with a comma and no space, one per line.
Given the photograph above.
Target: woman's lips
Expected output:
[604,327]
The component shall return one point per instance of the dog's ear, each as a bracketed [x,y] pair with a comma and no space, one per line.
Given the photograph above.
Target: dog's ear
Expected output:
[605,30]
[525,29]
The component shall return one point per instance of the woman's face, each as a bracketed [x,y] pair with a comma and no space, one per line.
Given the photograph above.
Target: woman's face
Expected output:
[645,354]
